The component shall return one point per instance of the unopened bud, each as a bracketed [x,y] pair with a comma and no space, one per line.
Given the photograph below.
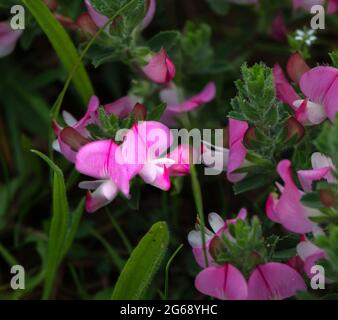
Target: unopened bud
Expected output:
[294,129]
[327,198]
[296,67]
[73,139]
[139,112]
[86,24]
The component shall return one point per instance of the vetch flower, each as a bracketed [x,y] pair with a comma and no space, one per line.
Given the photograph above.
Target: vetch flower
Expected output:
[218,227]
[309,253]
[319,86]
[177,105]
[8,38]
[160,69]
[103,161]
[147,143]
[288,209]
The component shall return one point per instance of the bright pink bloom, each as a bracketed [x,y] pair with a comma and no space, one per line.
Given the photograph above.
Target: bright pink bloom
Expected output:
[288,209]
[218,227]
[222,282]
[274,281]
[160,69]
[237,151]
[8,38]
[175,105]
[147,144]
[268,281]
[320,87]
[121,107]
[309,253]
[103,160]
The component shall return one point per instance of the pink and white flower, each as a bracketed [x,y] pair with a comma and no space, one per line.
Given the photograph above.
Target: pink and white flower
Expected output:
[309,253]
[320,88]
[288,209]
[218,227]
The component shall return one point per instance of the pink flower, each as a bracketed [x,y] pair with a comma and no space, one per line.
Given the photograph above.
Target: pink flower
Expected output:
[160,69]
[100,20]
[218,227]
[237,151]
[8,38]
[288,209]
[103,161]
[67,139]
[175,106]
[268,281]
[147,144]
[319,86]
[309,253]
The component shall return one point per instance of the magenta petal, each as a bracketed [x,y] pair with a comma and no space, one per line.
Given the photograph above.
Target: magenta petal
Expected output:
[121,107]
[274,281]
[224,283]
[289,210]
[284,90]
[101,197]
[181,156]
[331,100]
[205,96]
[89,117]
[103,159]
[306,177]
[316,83]
[150,14]
[270,208]
[311,260]
[237,151]
[160,68]
[99,19]
[8,38]
[199,257]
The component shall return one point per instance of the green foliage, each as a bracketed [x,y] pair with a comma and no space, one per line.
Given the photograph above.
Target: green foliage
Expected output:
[62,45]
[62,231]
[247,241]
[330,244]
[197,53]
[143,264]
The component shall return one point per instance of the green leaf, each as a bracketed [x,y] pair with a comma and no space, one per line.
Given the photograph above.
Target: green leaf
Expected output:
[61,235]
[334,58]
[143,264]
[164,39]
[312,200]
[63,46]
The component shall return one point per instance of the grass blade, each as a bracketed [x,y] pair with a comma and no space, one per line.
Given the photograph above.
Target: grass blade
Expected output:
[63,46]
[143,264]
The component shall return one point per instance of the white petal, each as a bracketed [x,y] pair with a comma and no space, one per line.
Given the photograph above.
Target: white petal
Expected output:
[195,238]
[306,249]
[216,222]
[69,119]
[148,173]
[56,146]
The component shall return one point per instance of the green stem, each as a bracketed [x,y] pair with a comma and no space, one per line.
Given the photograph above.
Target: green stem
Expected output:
[196,189]
[166,279]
